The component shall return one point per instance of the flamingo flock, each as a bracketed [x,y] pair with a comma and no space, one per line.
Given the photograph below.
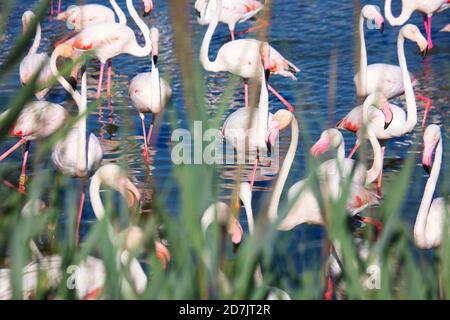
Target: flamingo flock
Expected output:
[103,33]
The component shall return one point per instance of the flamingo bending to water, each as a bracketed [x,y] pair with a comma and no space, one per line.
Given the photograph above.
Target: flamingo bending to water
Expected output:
[148,92]
[380,77]
[242,57]
[427,7]
[400,122]
[232,12]
[109,40]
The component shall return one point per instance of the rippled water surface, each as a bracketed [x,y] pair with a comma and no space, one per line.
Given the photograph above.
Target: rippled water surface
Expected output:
[318,36]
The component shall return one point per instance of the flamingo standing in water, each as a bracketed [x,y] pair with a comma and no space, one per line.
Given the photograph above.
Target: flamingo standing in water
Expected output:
[427,7]
[253,131]
[232,12]
[429,227]
[109,39]
[37,120]
[73,155]
[148,92]
[242,57]
[379,77]
[400,122]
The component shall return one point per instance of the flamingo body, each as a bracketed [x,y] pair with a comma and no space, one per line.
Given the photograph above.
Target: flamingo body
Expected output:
[141,95]
[80,17]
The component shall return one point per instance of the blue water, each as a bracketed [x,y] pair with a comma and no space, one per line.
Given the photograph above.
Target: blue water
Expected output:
[312,34]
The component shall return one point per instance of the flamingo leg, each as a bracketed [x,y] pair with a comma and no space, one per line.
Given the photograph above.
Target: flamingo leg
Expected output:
[67,36]
[329,292]
[380,176]
[353,151]
[23,174]
[280,97]
[14,147]
[261,24]
[427,108]
[59,6]
[150,129]
[145,136]
[80,212]
[51,9]
[232,35]
[108,88]
[246,92]
[255,167]
[100,79]
[430,41]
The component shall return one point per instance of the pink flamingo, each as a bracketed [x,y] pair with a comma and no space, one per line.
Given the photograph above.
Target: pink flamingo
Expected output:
[149,101]
[73,155]
[242,57]
[428,8]
[429,227]
[400,122]
[232,12]
[253,131]
[37,120]
[108,40]
[381,77]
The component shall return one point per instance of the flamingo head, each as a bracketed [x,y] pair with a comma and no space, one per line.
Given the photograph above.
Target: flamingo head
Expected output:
[431,138]
[27,17]
[162,254]
[379,101]
[412,32]
[372,12]
[126,187]
[330,138]
[154,38]
[148,7]
[265,57]
[280,120]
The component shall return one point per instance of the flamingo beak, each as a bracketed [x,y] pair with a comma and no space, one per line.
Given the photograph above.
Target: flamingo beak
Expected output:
[320,147]
[388,115]
[271,136]
[424,52]
[428,156]
[133,194]
[148,7]
[381,29]
[236,231]
[162,254]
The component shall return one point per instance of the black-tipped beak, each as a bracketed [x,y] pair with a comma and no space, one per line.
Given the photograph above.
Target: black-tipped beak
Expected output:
[155,59]
[426,168]
[424,52]
[198,14]
[236,247]
[381,28]
[146,13]
[387,124]
[269,149]
[267,74]
[73,82]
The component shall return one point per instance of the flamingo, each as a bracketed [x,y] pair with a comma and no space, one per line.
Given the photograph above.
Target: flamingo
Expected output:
[109,39]
[73,155]
[232,12]
[37,120]
[149,101]
[429,227]
[253,131]
[242,58]
[400,122]
[382,77]
[427,7]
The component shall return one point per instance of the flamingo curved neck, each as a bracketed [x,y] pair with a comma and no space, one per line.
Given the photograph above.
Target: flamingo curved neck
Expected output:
[411,107]
[82,161]
[263,111]
[156,89]
[138,276]
[249,213]
[135,49]
[37,40]
[362,75]
[96,200]
[374,171]
[407,10]
[272,211]
[209,65]
[424,209]
[119,12]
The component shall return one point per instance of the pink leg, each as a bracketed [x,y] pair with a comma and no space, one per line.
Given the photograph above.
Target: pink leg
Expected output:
[23,174]
[67,36]
[350,155]
[14,147]
[262,24]
[255,166]
[246,92]
[51,9]
[100,79]
[329,293]
[145,136]
[150,129]
[430,42]
[59,6]
[80,212]
[427,108]
[108,88]
[280,97]
[232,35]
[380,176]
[425,23]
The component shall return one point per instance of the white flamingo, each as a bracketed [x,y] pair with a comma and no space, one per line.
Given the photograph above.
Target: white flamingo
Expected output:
[429,227]
[427,7]
[148,92]
[242,58]
[232,12]
[391,121]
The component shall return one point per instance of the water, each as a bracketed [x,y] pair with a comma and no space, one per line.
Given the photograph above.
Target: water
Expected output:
[312,34]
